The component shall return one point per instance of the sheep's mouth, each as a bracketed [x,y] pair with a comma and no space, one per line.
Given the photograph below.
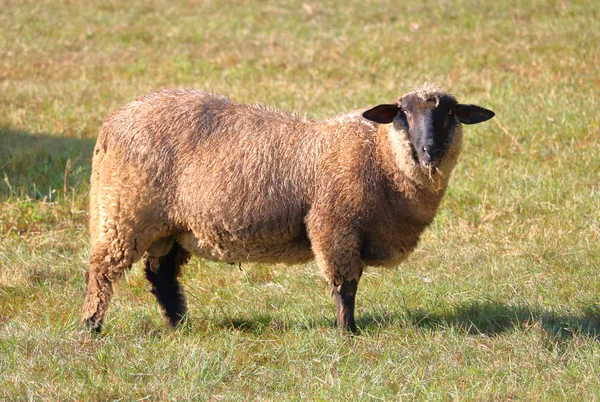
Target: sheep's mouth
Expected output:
[430,168]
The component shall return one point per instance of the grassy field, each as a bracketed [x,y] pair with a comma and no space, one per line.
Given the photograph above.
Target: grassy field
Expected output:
[500,301]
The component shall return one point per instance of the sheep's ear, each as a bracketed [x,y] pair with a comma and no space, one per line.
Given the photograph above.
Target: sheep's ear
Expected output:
[382,114]
[473,114]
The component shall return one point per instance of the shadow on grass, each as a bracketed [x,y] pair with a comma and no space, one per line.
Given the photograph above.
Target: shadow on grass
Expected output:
[264,322]
[493,318]
[474,318]
[41,165]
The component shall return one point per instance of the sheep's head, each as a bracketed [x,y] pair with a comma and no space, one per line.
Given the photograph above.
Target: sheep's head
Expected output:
[429,117]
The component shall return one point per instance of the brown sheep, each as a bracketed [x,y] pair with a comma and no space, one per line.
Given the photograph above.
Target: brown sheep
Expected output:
[181,172]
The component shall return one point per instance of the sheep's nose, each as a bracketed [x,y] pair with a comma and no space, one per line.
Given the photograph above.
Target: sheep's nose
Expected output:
[431,154]
[431,158]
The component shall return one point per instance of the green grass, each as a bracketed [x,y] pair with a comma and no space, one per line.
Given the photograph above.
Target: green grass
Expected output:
[499,302]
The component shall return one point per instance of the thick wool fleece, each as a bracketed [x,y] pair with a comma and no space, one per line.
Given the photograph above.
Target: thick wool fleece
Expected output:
[238,183]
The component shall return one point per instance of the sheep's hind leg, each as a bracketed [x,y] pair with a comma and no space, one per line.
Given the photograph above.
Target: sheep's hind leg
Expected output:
[99,293]
[104,271]
[162,273]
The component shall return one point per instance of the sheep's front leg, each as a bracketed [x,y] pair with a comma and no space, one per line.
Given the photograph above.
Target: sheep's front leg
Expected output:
[337,253]
[344,301]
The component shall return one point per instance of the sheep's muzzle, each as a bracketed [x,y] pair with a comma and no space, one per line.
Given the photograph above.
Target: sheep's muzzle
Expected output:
[430,168]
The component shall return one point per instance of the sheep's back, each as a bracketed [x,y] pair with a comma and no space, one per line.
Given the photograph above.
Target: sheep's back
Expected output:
[213,165]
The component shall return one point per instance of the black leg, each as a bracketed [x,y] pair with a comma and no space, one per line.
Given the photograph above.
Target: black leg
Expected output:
[162,273]
[344,301]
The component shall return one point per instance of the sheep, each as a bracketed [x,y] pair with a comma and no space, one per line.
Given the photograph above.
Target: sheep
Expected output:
[182,172]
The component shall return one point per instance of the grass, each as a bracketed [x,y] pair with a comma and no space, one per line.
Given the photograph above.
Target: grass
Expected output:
[499,302]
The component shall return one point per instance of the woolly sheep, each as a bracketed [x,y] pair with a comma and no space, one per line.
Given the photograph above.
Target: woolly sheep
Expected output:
[181,172]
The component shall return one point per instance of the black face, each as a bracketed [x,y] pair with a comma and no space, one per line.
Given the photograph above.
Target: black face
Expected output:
[430,123]
[430,126]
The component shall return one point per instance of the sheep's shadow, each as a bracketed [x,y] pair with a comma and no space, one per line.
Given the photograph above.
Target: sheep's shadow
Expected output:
[35,164]
[473,318]
[492,318]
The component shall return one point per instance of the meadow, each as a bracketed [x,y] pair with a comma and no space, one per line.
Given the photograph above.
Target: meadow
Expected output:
[499,302]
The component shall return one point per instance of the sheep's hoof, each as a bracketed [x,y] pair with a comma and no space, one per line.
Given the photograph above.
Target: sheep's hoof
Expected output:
[95,326]
[348,329]
[183,324]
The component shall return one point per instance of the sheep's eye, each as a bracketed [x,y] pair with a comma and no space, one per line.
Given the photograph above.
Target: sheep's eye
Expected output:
[450,112]
[403,114]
